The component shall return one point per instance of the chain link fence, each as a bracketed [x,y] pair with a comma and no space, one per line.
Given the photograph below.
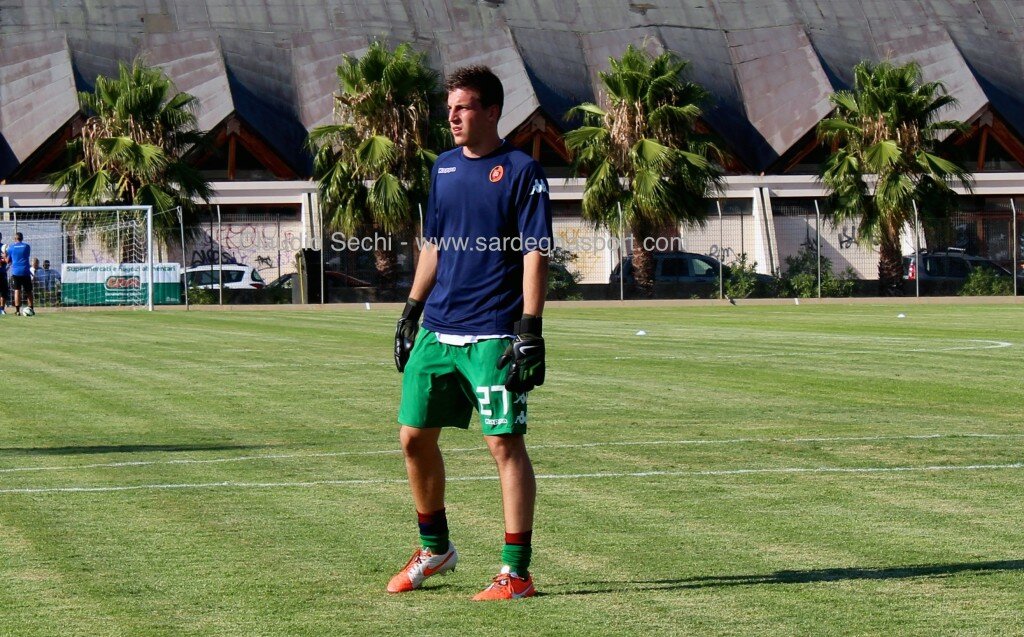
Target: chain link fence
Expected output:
[783,246]
[239,254]
[791,247]
[976,253]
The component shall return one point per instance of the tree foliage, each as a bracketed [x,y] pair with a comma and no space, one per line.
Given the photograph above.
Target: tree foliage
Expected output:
[131,149]
[883,134]
[642,150]
[372,165]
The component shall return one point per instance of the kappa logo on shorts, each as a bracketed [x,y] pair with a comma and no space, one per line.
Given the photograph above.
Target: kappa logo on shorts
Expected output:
[497,173]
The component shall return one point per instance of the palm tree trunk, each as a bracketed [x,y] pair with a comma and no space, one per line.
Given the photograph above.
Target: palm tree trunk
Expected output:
[890,263]
[387,268]
[643,266]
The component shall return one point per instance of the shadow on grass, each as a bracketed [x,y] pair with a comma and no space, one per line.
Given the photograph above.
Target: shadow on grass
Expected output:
[810,576]
[98,449]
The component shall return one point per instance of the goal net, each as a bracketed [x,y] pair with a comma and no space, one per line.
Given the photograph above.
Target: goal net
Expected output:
[92,256]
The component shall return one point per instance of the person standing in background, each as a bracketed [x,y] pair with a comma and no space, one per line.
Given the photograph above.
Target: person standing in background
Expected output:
[19,254]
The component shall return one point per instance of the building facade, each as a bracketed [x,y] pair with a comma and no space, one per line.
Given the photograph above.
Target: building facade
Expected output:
[264,73]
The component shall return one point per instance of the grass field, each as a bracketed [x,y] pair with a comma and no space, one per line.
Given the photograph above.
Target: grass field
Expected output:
[769,470]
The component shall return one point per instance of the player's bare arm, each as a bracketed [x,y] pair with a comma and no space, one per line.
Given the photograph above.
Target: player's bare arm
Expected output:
[426,273]
[535,282]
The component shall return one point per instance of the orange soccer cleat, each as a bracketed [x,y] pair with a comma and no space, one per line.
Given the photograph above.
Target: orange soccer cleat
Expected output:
[422,565]
[507,585]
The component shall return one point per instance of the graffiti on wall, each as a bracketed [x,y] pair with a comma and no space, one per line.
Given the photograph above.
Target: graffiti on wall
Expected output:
[721,253]
[847,237]
[211,256]
[266,246]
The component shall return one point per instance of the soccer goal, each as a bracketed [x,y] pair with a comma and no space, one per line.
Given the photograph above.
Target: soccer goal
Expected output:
[98,255]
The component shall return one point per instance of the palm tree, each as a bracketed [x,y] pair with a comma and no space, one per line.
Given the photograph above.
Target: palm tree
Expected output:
[373,164]
[643,151]
[131,150]
[888,127]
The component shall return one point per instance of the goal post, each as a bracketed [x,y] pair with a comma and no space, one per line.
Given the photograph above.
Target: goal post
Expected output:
[99,255]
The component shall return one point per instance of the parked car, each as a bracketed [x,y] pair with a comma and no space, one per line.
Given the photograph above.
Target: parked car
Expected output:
[945,271]
[235,277]
[334,280]
[680,274]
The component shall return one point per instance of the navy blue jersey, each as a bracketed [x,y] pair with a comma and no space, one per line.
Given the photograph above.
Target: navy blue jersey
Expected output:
[483,215]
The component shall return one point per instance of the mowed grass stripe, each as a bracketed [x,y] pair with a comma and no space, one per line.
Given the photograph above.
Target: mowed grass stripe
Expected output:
[834,553]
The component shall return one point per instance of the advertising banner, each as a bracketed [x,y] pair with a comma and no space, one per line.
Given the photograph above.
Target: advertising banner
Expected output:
[119,283]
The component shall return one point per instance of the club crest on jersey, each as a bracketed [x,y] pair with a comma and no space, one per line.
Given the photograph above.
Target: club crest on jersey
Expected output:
[497,173]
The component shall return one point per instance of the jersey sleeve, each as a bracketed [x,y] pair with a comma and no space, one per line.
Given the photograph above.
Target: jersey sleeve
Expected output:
[534,204]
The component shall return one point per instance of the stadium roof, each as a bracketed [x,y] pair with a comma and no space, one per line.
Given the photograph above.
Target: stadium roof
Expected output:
[770,65]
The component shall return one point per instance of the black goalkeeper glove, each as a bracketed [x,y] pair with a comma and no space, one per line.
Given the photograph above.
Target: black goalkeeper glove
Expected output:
[526,353]
[405,332]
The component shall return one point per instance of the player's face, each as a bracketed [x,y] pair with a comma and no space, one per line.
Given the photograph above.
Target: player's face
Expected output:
[471,123]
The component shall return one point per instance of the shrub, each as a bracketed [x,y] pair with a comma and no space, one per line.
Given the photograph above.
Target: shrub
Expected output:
[563,283]
[801,277]
[985,282]
[202,296]
[741,281]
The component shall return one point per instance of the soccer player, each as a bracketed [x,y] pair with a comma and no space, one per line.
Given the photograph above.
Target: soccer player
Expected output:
[18,255]
[4,291]
[479,286]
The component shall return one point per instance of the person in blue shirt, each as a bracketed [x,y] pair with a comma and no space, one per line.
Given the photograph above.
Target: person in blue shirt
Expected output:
[19,256]
[479,285]
[5,292]
[45,278]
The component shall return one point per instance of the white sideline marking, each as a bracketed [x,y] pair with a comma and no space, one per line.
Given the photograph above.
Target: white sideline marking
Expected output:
[146,463]
[568,476]
[585,445]
[981,345]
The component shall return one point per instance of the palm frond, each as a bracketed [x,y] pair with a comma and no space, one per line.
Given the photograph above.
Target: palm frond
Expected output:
[375,154]
[882,156]
[586,110]
[649,153]
[580,138]
[389,203]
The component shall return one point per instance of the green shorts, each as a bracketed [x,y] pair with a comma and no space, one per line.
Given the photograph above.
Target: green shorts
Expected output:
[443,383]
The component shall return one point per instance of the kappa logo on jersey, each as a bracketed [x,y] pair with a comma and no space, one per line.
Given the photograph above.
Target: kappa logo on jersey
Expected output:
[445,171]
[496,174]
[539,186]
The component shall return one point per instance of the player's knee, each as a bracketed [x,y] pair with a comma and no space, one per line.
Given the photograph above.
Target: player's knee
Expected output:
[416,442]
[511,448]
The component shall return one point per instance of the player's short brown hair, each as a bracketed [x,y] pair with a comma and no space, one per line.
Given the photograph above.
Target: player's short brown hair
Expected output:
[480,79]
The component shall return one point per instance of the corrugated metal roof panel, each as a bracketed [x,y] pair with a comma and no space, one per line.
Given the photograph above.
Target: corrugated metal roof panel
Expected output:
[784,88]
[194,61]
[497,50]
[35,69]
